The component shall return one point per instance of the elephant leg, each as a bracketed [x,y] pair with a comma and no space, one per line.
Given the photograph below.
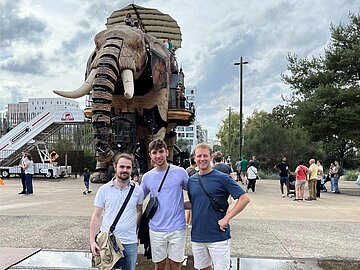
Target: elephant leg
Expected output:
[170,142]
[106,75]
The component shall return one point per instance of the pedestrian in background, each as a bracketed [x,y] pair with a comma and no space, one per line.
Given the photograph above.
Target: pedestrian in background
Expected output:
[252,176]
[320,176]
[283,169]
[219,164]
[336,177]
[313,171]
[23,182]
[301,172]
[86,181]
[28,167]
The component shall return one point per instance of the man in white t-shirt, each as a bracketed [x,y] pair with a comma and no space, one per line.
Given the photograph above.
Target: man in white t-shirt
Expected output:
[108,201]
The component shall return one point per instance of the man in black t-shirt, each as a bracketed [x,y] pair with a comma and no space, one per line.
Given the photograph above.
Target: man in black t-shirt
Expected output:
[219,165]
[283,169]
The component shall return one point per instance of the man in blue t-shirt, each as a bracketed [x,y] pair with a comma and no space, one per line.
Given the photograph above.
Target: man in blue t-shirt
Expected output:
[210,234]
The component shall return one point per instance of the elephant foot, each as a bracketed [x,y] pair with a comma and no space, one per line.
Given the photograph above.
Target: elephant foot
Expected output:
[99,177]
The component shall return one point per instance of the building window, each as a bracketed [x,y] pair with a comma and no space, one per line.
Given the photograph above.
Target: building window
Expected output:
[189,135]
[189,128]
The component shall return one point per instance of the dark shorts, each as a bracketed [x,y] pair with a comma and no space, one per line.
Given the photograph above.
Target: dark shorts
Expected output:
[284,179]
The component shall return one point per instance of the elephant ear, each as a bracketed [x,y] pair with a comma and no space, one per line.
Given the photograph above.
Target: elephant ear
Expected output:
[160,63]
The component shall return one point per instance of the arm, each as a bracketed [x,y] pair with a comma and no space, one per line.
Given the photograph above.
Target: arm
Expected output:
[138,214]
[239,206]
[187,205]
[276,168]
[94,228]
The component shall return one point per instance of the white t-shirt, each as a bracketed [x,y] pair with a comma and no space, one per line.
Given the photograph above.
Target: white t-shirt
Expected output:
[110,198]
[320,172]
[251,172]
[30,166]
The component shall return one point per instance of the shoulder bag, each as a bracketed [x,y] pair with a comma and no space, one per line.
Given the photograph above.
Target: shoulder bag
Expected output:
[219,204]
[153,203]
[111,249]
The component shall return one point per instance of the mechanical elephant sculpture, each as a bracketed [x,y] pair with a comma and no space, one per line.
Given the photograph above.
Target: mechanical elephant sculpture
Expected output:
[128,78]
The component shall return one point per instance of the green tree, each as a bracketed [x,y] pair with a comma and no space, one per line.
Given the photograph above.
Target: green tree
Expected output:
[223,136]
[183,144]
[326,90]
[270,139]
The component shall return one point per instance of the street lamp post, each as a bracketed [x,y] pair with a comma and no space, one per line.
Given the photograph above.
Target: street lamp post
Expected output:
[241,63]
[229,135]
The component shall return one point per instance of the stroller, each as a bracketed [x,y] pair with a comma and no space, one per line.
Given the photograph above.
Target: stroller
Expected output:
[292,181]
[322,186]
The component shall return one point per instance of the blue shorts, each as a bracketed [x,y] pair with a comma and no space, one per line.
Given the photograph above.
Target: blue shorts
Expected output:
[284,179]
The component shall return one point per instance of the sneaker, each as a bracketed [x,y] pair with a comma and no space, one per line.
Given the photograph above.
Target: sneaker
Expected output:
[283,195]
[84,193]
[308,199]
[89,191]
[22,192]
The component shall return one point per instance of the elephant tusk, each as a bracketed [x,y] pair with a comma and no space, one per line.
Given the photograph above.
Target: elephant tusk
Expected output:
[127,78]
[84,89]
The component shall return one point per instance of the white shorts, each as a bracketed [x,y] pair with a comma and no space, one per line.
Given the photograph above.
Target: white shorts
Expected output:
[216,254]
[164,244]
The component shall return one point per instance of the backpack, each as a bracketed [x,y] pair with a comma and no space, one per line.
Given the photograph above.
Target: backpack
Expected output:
[341,171]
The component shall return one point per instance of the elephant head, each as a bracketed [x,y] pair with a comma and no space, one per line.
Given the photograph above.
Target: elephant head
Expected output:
[130,65]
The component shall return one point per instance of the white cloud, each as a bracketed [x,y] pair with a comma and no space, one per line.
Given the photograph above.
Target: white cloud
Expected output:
[45,46]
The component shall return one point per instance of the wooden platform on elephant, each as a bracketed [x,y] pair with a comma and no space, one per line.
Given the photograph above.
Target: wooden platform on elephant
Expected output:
[182,117]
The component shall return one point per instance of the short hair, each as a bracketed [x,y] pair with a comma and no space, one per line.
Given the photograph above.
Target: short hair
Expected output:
[218,156]
[301,162]
[29,156]
[123,155]
[157,144]
[203,146]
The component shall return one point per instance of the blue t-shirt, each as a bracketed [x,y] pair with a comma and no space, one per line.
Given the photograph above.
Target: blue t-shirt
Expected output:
[170,214]
[205,219]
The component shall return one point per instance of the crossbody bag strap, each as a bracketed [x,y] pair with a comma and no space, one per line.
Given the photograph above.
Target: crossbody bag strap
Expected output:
[202,187]
[112,228]
[163,180]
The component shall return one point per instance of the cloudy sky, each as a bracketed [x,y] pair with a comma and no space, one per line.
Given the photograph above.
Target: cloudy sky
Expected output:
[45,46]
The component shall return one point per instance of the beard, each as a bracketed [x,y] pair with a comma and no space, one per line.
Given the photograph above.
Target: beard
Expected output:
[123,176]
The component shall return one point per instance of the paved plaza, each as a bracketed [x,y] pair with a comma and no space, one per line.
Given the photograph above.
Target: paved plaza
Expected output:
[57,218]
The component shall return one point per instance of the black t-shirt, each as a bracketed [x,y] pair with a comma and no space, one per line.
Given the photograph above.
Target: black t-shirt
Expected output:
[283,167]
[222,167]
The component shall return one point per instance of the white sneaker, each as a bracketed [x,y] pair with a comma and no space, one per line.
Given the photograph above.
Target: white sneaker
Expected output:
[283,195]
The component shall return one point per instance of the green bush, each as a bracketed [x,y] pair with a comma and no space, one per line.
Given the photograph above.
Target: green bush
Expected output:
[89,160]
[351,175]
[268,175]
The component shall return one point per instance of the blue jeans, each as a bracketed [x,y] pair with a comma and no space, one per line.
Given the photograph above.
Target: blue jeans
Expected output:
[129,261]
[28,182]
[336,184]
[332,183]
